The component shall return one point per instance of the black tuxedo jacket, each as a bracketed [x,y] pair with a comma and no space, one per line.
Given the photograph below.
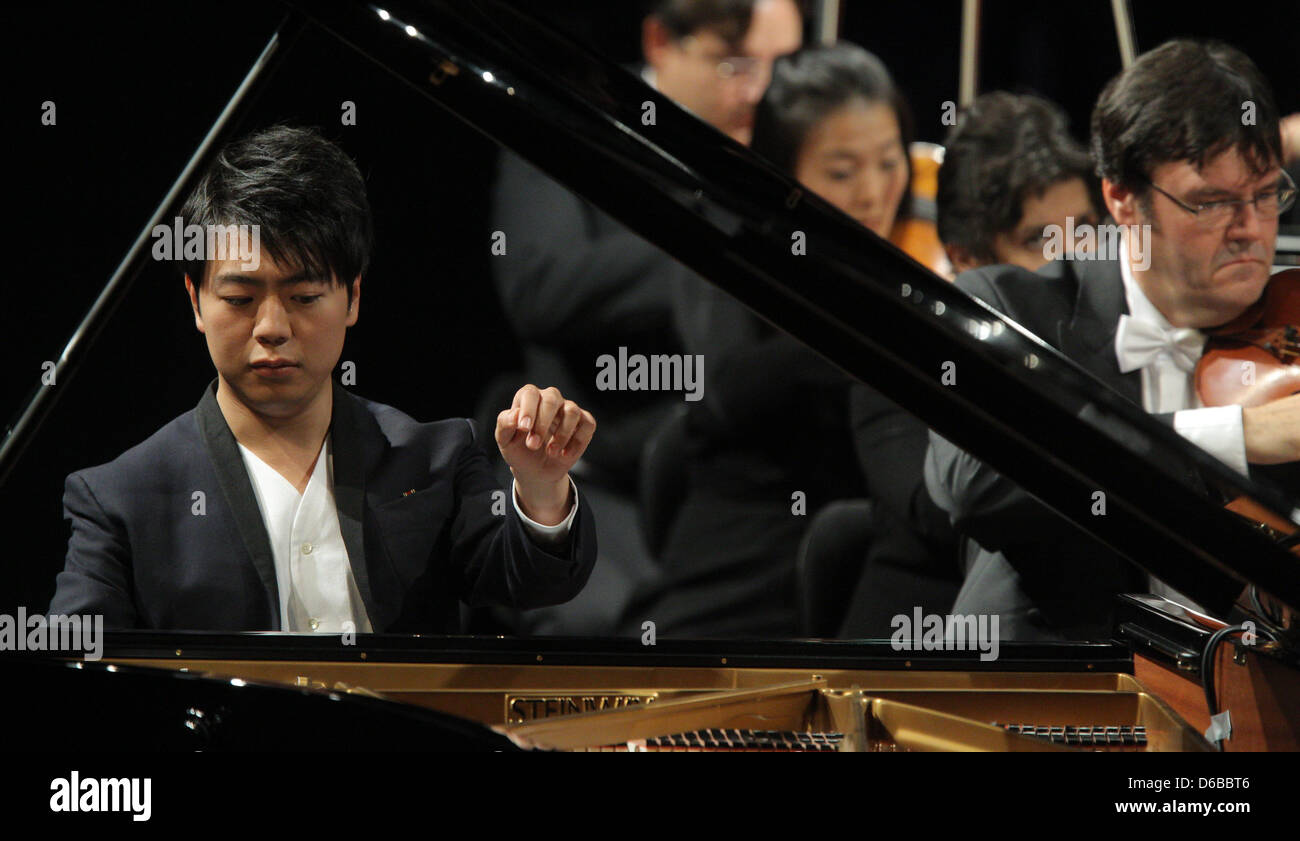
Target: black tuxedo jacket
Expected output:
[1045,577]
[169,535]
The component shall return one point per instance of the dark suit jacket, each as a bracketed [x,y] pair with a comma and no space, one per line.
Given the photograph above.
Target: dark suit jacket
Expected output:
[729,558]
[912,556]
[143,555]
[1044,576]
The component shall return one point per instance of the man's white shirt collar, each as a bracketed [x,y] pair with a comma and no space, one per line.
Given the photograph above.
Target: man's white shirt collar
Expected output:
[1166,387]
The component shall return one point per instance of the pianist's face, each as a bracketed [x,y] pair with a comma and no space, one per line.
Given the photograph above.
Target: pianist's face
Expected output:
[854,158]
[1203,273]
[273,313]
[721,83]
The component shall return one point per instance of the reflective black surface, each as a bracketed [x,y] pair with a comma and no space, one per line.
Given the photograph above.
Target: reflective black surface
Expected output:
[50,706]
[561,651]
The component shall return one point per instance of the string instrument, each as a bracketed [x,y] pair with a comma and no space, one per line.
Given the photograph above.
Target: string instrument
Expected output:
[1252,360]
[1255,358]
[917,234]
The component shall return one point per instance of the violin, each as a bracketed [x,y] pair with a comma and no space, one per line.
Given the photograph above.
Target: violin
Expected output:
[1255,358]
[1252,360]
[919,238]
[916,235]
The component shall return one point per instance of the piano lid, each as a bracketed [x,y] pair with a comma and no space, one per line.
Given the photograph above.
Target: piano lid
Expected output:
[1020,405]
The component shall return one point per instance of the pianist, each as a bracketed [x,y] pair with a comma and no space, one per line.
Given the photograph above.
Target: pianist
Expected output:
[285,502]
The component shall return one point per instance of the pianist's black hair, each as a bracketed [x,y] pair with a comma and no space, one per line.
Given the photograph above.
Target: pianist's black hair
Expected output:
[305,193]
[1186,100]
[810,85]
[1004,148]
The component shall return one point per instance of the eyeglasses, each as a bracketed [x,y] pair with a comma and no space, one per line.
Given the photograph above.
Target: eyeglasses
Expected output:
[727,67]
[1217,214]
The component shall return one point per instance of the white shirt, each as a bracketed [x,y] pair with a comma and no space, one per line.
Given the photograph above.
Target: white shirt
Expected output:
[312,569]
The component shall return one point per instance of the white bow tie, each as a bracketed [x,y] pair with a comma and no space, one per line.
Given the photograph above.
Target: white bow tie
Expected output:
[1138,343]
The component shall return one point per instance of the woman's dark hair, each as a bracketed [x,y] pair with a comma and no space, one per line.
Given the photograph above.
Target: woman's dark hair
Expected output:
[810,85]
[305,194]
[1184,101]
[1004,148]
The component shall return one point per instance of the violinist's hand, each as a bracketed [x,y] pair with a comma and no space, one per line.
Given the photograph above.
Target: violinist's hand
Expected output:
[1272,431]
[541,436]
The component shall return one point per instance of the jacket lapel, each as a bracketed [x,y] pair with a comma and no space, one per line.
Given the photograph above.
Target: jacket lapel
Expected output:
[354,457]
[223,452]
[1089,337]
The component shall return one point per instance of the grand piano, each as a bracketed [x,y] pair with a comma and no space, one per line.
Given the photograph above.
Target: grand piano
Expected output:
[855,299]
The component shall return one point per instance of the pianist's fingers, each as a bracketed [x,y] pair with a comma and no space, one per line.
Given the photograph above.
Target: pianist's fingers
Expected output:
[508,430]
[547,415]
[582,435]
[526,401]
[567,419]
